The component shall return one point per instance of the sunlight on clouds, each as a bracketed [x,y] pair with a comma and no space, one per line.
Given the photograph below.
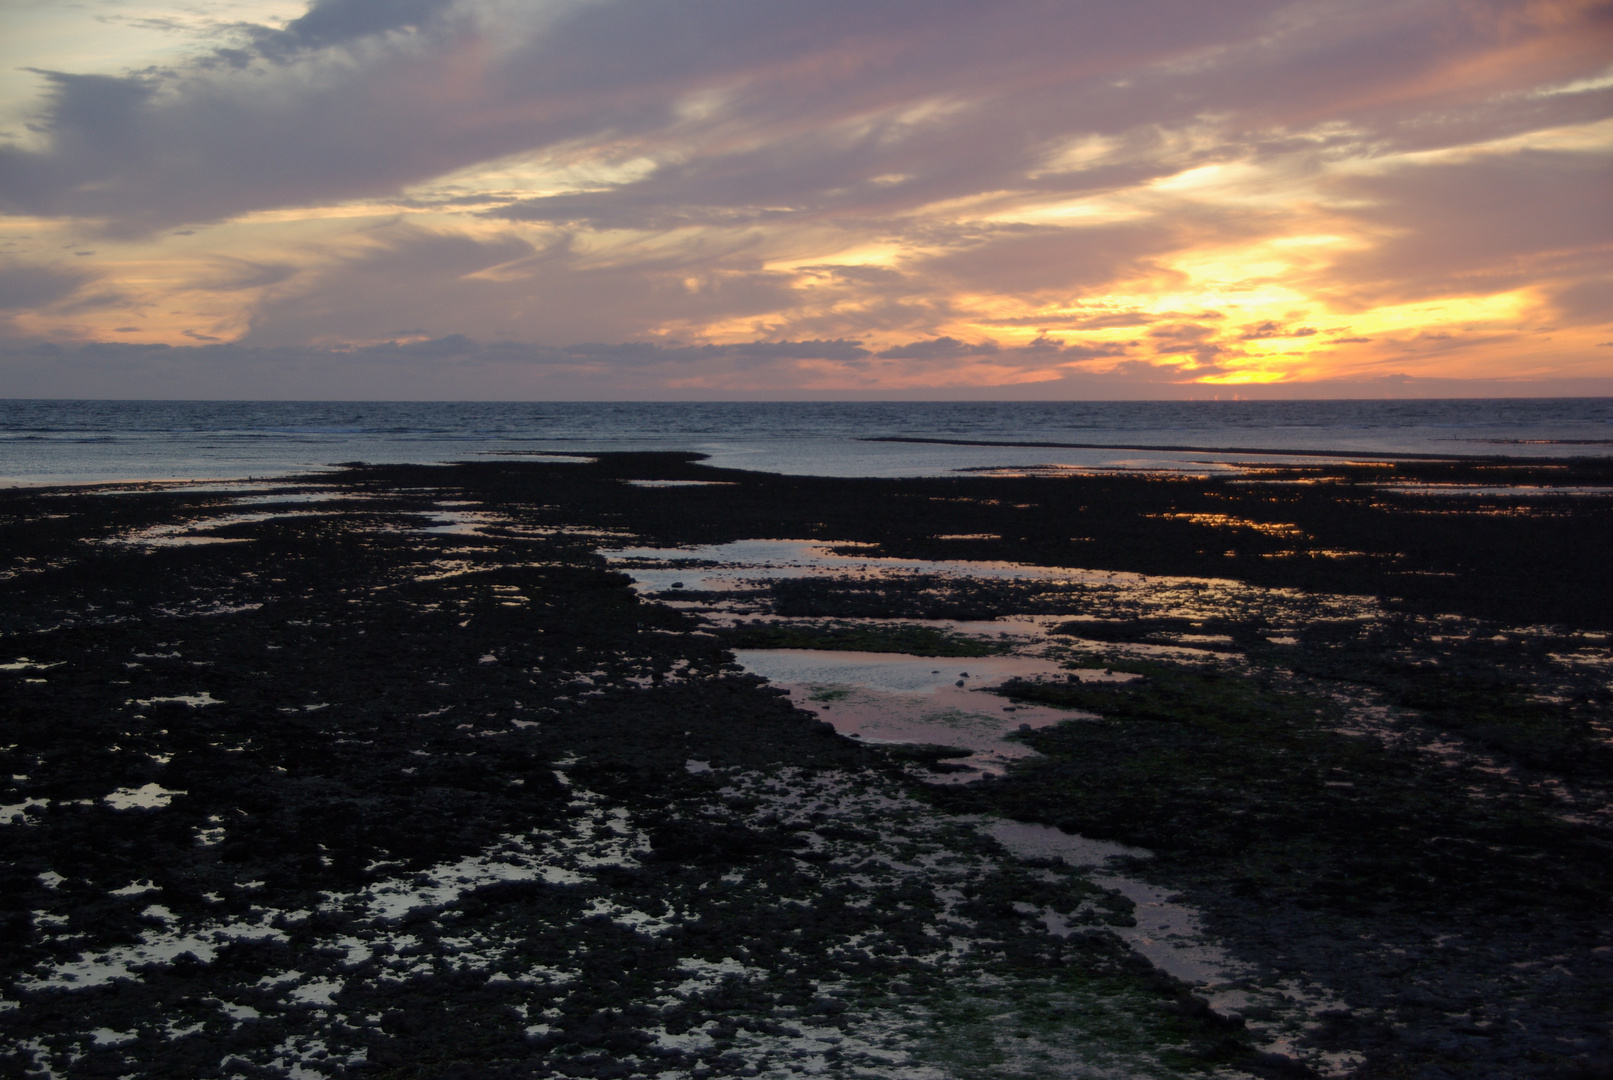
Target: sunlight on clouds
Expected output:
[1093,210]
[1507,308]
[1082,152]
[1224,195]
[883,255]
[528,176]
[342,212]
[1592,138]
[1198,180]
[112,36]
[1578,86]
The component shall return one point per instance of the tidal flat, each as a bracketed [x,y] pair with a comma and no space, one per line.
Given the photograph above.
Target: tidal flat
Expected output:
[624,765]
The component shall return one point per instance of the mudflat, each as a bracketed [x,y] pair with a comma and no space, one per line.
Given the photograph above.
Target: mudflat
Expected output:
[456,771]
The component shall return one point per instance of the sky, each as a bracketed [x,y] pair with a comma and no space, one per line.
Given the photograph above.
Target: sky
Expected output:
[550,199]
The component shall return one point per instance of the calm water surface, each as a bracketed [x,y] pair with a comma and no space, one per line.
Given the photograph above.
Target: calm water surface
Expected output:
[97,441]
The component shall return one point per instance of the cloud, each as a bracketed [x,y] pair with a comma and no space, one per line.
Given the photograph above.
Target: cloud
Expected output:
[92,121]
[613,356]
[942,348]
[1057,263]
[747,352]
[1093,350]
[827,96]
[1041,351]
[905,187]
[228,274]
[1271,329]
[453,367]
[335,22]
[1190,339]
[461,369]
[24,286]
[1585,302]
[502,285]
[1488,224]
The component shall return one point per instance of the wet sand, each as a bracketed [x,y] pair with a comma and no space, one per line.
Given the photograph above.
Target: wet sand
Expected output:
[548,769]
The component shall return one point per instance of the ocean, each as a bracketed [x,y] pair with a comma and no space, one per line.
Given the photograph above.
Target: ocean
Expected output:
[84,442]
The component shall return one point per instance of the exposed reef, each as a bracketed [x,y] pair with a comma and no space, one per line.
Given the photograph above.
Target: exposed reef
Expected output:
[394,772]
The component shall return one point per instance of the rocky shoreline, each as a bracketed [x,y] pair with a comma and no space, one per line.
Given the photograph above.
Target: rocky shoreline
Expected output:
[391,772]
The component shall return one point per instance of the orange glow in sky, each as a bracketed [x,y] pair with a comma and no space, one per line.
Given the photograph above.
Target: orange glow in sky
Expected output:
[577,199]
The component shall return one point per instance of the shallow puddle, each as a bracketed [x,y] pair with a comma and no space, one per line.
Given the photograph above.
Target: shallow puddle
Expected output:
[897,698]
[742,563]
[276,498]
[892,673]
[677,483]
[1044,842]
[1509,491]
[744,567]
[201,531]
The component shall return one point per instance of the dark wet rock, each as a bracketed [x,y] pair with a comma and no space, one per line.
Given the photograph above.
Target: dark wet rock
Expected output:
[701,844]
[390,711]
[842,635]
[1269,1066]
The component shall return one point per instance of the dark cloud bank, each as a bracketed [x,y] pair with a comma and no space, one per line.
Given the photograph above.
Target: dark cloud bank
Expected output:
[812,107]
[457,368]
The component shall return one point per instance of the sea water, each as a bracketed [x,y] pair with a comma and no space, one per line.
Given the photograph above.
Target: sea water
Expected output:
[65,442]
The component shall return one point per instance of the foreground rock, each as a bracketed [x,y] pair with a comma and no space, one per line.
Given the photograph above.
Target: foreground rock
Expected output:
[399,779]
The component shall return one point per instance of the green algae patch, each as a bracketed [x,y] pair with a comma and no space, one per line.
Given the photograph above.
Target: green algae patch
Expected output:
[1205,695]
[1058,1025]
[1235,776]
[1484,691]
